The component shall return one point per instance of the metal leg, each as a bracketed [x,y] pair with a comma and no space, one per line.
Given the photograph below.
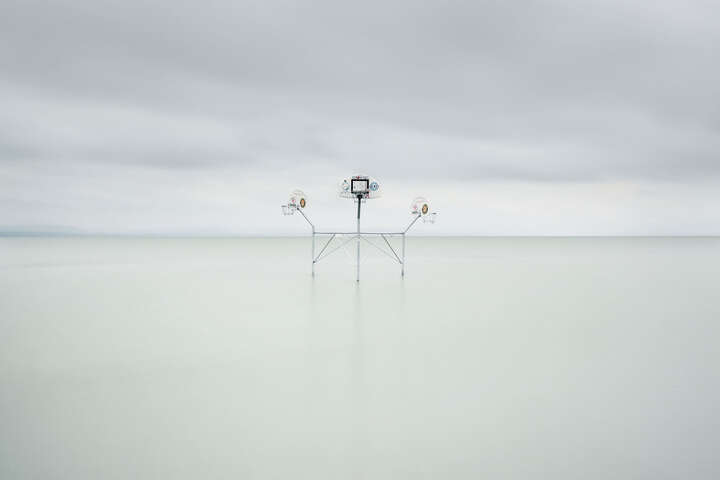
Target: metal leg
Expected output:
[313,252]
[358,259]
[402,268]
[359,200]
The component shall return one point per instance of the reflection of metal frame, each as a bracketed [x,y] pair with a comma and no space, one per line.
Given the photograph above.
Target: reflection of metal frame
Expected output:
[359,235]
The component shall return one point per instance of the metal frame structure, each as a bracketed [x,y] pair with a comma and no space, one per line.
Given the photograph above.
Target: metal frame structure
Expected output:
[360,235]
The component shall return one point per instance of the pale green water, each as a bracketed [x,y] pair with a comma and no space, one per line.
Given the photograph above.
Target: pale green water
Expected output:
[223,358]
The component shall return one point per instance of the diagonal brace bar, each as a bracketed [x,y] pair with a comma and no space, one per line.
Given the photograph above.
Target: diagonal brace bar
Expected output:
[306,218]
[379,248]
[412,223]
[391,248]
[324,247]
[336,248]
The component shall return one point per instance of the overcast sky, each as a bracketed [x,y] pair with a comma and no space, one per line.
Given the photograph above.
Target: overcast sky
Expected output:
[528,117]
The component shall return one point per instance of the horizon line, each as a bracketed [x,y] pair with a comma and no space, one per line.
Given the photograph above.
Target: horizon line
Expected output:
[56,234]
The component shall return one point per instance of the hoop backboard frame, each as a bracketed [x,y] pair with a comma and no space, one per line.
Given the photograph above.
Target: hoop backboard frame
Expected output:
[370,190]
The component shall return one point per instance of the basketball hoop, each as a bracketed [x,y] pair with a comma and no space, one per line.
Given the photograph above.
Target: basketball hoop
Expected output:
[297,200]
[359,186]
[421,207]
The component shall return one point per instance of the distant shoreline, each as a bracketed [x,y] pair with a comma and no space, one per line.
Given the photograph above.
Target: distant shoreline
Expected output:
[20,234]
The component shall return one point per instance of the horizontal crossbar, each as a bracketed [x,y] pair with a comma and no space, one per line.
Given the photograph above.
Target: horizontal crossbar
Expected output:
[353,236]
[361,233]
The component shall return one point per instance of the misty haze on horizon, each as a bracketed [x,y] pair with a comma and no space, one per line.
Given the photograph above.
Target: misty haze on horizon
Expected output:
[513,118]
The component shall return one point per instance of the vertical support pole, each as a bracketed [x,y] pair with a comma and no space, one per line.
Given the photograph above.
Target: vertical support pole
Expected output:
[359,200]
[313,251]
[402,268]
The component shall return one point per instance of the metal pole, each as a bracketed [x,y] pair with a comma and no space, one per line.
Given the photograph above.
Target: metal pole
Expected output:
[313,252]
[402,269]
[359,199]
[313,238]
[413,222]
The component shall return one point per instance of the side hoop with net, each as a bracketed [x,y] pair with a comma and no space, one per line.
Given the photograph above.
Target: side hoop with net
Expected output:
[297,200]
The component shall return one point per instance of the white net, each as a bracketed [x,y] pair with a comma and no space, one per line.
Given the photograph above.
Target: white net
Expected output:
[429,218]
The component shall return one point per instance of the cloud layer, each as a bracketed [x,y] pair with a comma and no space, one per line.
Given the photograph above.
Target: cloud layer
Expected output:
[175,116]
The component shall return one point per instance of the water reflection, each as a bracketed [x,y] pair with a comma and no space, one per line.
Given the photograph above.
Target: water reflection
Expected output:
[358,387]
[495,358]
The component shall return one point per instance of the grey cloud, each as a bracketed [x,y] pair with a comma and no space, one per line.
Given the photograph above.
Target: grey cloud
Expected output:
[488,91]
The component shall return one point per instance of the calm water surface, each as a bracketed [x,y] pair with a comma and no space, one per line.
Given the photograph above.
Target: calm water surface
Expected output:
[495,357]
